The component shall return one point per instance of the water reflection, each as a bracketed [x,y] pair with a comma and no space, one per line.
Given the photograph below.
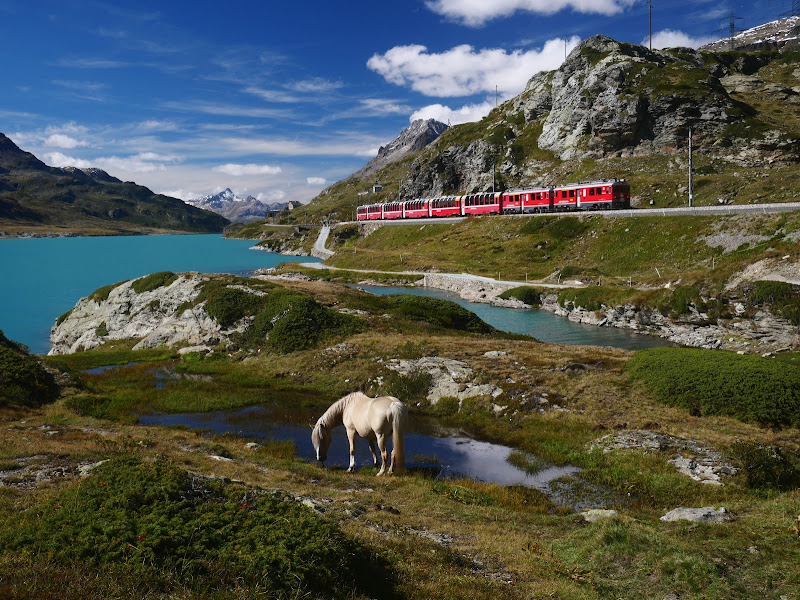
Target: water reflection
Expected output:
[456,456]
[542,325]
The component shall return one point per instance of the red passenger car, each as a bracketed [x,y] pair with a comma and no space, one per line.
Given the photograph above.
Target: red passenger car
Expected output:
[416,209]
[446,206]
[603,195]
[482,204]
[393,210]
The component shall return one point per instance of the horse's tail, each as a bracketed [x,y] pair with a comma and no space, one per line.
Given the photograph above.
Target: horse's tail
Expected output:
[399,426]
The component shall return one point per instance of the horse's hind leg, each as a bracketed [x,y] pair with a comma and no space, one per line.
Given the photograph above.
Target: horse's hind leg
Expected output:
[382,441]
[374,453]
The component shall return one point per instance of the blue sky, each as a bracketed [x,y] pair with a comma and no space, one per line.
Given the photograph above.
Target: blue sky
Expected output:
[281,99]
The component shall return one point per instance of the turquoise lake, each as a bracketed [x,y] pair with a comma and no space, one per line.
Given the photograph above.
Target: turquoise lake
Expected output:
[43,278]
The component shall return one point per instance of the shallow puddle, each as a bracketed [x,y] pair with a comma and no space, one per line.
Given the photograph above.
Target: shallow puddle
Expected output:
[449,456]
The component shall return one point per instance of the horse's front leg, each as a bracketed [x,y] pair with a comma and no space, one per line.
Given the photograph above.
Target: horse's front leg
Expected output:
[382,441]
[351,437]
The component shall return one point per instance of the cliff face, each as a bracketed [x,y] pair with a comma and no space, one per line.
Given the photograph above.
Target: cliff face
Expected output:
[611,99]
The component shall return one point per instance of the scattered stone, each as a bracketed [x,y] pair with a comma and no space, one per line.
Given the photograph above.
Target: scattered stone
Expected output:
[706,514]
[596,514]
[253,445]
[495,354]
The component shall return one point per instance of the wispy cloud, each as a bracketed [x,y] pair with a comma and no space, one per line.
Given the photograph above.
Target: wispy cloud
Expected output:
[475,13]
[464,71]
[145,162]
[282,147]
[316,180]
[249,169]
[230,110]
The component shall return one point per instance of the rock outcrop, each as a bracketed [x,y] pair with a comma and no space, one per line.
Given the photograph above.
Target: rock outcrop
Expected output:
[152,317]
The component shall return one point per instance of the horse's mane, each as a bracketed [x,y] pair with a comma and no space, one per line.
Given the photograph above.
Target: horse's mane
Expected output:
[333,416]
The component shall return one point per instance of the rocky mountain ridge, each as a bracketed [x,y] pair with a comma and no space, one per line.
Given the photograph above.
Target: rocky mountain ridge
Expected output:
[412,139]
[235,208]
[37,196]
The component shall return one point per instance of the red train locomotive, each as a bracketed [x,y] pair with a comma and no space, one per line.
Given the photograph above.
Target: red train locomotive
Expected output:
[592,195]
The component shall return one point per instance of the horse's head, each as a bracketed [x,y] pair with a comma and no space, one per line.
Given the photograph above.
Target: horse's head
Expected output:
[321,438]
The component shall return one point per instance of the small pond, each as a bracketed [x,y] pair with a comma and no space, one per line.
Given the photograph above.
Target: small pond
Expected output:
[426,445]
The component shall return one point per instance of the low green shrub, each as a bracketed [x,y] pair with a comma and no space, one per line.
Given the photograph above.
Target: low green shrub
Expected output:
[101,294]
[590,298]
[442,313]
[288,321]
[151,282]
[23,380]
[412,387]
[227,305]
[165,531]
[529,295]
[678,302]
[767,467]
[749,388]
[782,296]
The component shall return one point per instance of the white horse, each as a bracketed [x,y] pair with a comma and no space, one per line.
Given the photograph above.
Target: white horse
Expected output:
[374,419]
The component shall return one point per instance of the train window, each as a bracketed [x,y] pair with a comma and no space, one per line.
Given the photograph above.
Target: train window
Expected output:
[572,193]
[591,191]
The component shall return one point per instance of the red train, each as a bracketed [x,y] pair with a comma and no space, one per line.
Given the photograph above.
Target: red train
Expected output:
[592,195]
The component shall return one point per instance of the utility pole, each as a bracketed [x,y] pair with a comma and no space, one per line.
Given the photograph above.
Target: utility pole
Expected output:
[650,4]
[731,29]
[690,167]
[565,46]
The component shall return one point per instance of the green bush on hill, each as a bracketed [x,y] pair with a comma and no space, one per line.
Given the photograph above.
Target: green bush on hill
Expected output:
[101,294]
[23,380]
[288,321]
[162,530]
[767,467]
[151,282]
[529,295]
[710,382]
[435,311]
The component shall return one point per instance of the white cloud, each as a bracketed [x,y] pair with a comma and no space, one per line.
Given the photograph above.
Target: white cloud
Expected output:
[284,147]
[250,169]
[59,140]
[463,71]
[146,162]
[271,196]
[181,194]
[445,114]
[475,13]
[315,180]
[57,159]
[669,38]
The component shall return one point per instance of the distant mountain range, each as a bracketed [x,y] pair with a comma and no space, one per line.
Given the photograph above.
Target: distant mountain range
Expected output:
[38,198]
[235,208]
